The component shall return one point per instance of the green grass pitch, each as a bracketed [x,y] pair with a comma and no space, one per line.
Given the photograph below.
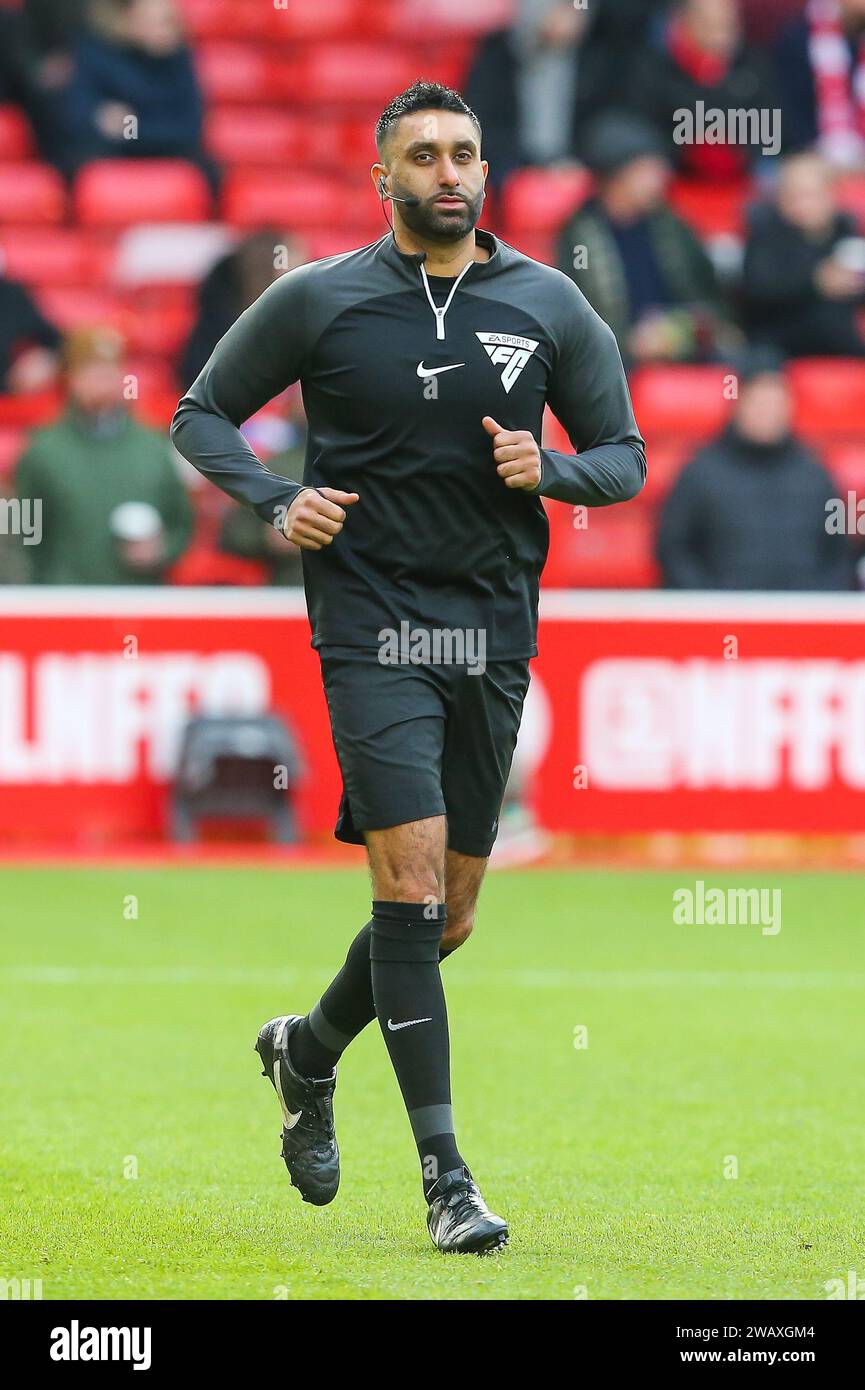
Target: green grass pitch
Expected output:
[139,1150]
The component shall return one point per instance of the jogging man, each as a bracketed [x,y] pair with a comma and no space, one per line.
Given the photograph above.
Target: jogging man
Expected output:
[426,360]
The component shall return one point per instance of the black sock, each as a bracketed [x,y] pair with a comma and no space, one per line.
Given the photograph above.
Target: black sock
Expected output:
[410,1005]
[344,1010]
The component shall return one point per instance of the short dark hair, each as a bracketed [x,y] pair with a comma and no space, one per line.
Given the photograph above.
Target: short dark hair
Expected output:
[422,96]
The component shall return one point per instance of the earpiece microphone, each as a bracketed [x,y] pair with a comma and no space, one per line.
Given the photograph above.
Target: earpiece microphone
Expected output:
[409,202]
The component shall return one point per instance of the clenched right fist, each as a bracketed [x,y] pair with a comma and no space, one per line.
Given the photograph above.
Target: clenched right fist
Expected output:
[314,518]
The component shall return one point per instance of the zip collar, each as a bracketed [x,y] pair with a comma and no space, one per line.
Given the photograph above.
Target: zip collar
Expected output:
[408,261]
[412,262]
[440,312]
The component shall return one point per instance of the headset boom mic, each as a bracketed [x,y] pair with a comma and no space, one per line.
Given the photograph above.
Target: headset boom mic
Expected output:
[410,202]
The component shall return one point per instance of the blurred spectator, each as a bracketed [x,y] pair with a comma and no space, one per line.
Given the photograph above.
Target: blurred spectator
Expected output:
[804,272]
[821,69]
[640,266]
[534,85]
[28,342]
[703,58]
[114,510]
[134,92]
[29,78]
[231,285]
[750,511]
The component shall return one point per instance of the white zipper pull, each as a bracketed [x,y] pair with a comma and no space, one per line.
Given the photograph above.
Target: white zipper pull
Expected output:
[440,313]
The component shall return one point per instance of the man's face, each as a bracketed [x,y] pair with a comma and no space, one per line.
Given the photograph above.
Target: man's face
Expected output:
[435,156]
[714,24]
[642,183]
[96,386]
[153,25]
[764,412]
[805,195]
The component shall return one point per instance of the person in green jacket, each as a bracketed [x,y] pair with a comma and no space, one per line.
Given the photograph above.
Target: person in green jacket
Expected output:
[638,263]
[105,490]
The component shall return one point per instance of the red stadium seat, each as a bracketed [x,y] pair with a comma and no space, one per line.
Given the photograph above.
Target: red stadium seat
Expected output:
[829,395]
[323,20]
[204,566]
[555,435]
[448,19]
[118,192]
[666,459]
[160,319]
[685,401]
[541,246]
[350,74]
[249,135]
[846,463]
[31,192]
[323,242]
[241,72]
[542,200]
[16,137]
[56,255]
[347,143]
[156,409]
[666,456]
[614,551]
[712,209]
[256,199]
[25,412]
[226,19]
[73,307]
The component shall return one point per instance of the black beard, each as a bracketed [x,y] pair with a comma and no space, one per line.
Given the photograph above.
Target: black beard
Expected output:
[443,227]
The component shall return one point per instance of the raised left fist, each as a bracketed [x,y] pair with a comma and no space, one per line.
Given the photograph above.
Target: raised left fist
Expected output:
[517,456]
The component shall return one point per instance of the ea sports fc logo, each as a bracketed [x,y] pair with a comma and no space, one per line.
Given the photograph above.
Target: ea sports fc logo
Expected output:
[510,352]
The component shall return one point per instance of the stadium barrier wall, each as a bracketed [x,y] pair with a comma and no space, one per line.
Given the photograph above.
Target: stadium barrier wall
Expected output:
[648,711]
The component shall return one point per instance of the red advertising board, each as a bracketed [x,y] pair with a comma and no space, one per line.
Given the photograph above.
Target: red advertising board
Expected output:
[647,711]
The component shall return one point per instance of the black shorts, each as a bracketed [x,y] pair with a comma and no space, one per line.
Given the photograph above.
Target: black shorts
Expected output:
[419,741]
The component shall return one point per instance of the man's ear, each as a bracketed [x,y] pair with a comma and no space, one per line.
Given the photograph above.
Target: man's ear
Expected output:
[377,173]
[486,169]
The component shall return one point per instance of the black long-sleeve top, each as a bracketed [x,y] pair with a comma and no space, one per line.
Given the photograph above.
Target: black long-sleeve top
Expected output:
[397,371]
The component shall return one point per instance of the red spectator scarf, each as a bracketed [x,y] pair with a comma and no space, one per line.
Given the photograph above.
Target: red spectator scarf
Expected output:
[719,162]
[839,86]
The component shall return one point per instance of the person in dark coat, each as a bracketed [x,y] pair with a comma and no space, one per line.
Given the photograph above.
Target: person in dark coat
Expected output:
[750,510]
[31,76]
[703,59]
[134,92]
[804,268]
[28,341]
[233,283]
[536,85]
[639,264]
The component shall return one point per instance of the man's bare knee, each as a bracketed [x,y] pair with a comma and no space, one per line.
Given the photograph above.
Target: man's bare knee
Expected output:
[409,886]
[407,862]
